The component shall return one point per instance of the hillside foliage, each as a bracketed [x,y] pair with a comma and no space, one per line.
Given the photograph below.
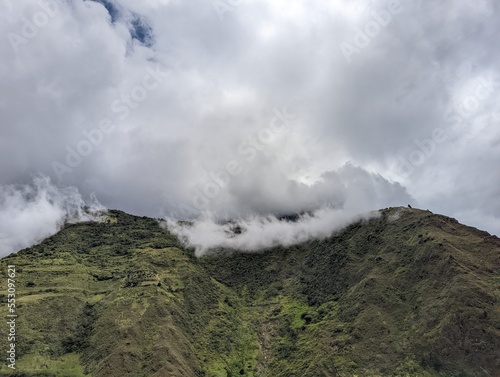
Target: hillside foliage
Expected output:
[408,293]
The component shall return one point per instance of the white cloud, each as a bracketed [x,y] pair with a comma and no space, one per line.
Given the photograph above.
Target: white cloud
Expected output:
[340,198]
[260,233]
[225,78]
[29,213]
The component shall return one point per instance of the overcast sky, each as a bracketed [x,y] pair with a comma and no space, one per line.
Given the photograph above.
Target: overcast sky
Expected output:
[173,108]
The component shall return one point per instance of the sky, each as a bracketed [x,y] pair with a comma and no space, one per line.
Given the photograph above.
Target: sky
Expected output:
[231,109]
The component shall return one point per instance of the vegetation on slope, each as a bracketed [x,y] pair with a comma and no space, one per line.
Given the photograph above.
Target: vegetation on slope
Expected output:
[124,299]
[408,293]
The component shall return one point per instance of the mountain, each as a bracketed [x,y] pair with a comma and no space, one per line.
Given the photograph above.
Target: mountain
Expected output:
[407,293]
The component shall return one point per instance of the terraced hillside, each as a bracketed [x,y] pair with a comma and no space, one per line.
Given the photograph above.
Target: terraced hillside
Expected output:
[408,293]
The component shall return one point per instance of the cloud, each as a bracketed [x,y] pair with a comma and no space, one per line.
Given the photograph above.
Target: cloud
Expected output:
[259,233]
[33,212]
[343,196]
[185,95]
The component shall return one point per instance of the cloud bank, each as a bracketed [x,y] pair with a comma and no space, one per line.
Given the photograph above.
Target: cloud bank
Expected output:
[260,233]
[341,197]
[175,109]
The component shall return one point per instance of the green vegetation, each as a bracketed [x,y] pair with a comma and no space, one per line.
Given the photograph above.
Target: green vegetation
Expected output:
[407,294]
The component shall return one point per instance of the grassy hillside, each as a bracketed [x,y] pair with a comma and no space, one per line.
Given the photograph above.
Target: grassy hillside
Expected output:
[407,294]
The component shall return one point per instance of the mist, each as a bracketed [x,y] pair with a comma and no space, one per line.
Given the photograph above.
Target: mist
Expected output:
[259,233]
[340,198]
[32,212]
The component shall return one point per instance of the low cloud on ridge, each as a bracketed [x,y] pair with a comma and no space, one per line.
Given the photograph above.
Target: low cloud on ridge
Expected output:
[340,198]
[262,232]
[32,212]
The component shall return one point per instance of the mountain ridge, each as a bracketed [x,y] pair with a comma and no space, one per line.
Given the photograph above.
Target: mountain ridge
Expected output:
[409,293]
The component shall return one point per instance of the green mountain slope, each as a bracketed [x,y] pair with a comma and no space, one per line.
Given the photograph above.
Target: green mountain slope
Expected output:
[408,293]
